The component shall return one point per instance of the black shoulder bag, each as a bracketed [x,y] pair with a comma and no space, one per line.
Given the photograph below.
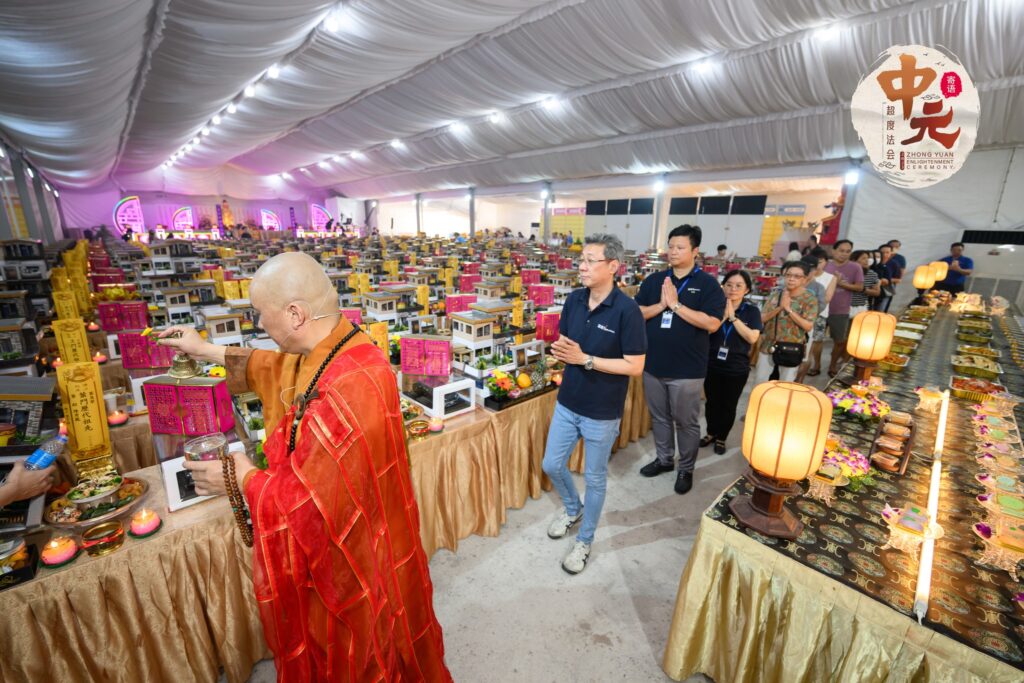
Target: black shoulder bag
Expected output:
[786,354]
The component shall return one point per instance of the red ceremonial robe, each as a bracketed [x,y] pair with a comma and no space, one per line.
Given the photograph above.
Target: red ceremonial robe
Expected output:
[339,572]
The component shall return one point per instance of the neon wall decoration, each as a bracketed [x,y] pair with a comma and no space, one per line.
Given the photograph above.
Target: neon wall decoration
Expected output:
[269,220]
[319,217]
[128,214]
[182,219]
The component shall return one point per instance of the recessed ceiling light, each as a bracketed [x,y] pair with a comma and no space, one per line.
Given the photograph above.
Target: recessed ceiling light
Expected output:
[250,90]
[232,108]
[274,71]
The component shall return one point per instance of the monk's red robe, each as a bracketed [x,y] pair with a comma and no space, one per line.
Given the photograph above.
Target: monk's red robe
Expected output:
[339,573]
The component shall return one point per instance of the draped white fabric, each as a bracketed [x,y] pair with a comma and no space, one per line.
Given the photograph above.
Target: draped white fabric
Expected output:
[109,89]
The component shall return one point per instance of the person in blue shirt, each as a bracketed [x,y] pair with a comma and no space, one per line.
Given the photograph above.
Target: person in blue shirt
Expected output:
[729,358]
[682,306]
[602,343]
[960,267]
[899,260]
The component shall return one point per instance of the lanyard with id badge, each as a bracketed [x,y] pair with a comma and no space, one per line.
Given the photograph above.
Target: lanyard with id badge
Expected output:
[723,350]
[666,317]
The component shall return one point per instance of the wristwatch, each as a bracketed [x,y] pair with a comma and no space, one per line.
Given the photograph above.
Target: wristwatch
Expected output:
[676,306]
[589,365]
[732,319]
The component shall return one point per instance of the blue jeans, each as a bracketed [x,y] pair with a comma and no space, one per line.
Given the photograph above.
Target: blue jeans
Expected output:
[598,436]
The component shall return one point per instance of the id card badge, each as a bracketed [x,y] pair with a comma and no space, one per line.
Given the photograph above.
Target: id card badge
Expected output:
[723,353]
[666,319]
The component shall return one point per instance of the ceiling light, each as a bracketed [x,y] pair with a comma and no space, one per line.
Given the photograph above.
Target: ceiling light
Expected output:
[286,176]
[544,193]
[659,185]
[704,66]
[373,204]
[232,108]
[196,140]
[274,71]
[826,33]
[188,147]
[852,176]
[205,130]
[56,194]
[250,90]
[31,173]
[552,104]
[357,155]
[397,144]
[216,119]
[2,155]
[323,164]
[458,128]
[469,196]
[337,20]
[336,157]
[496,117]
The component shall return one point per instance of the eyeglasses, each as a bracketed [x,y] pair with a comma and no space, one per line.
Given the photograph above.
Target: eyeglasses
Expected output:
[590,262]
[794,276]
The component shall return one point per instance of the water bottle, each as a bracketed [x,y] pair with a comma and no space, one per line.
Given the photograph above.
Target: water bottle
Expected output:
[45,455]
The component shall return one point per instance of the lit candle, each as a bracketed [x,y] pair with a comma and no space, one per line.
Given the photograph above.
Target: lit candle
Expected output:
[436,424]
[144,522]
[93,327]
[57,362]
[100,358]
[59,550]
[63,430]
[118,417]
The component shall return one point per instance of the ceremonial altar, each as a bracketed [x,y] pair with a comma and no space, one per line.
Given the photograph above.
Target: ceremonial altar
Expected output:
[837,601]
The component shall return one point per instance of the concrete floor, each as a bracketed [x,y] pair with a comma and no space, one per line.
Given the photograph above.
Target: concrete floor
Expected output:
[510,613]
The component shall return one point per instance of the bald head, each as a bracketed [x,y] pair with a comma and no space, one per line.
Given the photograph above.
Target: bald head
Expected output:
[290,277]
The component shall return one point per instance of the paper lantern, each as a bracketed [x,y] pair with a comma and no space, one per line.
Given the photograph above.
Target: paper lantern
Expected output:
[870,337]
[783,440]
[924,277]
[940,269]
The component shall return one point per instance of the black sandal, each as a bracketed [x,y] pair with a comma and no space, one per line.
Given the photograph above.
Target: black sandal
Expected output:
[706,441]
[719,447]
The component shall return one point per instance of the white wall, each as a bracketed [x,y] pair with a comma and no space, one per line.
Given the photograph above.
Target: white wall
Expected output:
[349,208]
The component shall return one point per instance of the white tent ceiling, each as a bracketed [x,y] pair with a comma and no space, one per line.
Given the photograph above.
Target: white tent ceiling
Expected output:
[99,94]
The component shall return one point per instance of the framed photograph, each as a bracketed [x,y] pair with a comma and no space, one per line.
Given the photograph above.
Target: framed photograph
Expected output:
[22,514]
[181,490]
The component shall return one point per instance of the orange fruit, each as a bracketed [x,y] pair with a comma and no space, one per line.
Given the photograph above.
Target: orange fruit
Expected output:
[524,381]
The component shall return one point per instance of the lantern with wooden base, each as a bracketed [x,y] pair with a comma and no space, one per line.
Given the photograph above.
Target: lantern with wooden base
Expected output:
[783,440]
[870,337]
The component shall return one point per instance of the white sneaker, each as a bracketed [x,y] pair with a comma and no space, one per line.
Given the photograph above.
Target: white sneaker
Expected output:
[560,526]
[576,560]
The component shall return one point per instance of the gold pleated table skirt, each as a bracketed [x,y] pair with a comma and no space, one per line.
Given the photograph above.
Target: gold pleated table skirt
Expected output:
[746,613]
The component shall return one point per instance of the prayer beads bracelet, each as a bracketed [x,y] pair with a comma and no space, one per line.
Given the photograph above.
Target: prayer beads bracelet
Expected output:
[237,501]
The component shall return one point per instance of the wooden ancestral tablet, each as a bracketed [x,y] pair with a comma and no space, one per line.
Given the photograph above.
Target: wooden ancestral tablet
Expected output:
[72,340]
[66,305]
[81,395]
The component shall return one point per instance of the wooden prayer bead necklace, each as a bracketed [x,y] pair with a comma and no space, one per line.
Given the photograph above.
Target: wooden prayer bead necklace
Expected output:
[311,391]
[237,501]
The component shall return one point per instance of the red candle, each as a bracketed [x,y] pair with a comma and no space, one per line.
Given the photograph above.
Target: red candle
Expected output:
[59,550]
[118,417]
[144,522]
[100,358]
[57,362]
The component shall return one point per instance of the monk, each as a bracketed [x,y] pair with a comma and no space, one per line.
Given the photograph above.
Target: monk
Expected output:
[339,573]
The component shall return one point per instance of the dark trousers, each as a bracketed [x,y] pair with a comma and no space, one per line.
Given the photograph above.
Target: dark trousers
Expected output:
[723,393]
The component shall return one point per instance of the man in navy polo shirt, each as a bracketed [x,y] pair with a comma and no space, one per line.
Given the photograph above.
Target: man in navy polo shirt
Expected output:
[682,306]
[960,267]
[602,344]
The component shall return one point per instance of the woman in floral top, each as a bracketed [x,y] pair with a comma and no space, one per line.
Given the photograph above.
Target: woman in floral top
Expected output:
[788,317]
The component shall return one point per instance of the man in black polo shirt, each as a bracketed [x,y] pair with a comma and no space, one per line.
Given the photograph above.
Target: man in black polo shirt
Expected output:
[602,344]
[681,306]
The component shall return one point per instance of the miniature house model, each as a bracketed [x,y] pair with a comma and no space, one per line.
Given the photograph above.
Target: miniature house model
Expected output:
[177,305]
[490,289]
[11,338]
[474,329]
[244,308]
[492,269]
[14,304]
[22,400]
[563,278]
[381,305]
[500,310]
[225,329]
[202,292]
